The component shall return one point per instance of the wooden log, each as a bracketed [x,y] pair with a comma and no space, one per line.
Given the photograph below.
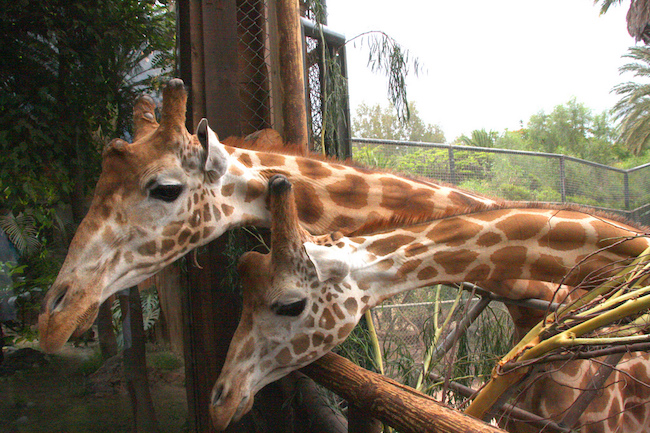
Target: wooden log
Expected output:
[397,405]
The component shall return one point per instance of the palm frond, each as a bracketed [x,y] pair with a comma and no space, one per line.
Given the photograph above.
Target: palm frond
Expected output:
[22,231]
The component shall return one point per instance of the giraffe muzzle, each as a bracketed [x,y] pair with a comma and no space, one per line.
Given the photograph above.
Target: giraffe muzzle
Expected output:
[228,405]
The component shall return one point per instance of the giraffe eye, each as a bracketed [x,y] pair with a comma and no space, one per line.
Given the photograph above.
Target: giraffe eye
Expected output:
[291,309]
[166,193]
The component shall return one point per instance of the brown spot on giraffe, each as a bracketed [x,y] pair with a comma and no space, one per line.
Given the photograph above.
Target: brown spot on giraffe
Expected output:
[564,236]
[313,169]
[300,344]
[227,209]
[478,273]
[400,196]
[246,160]
[510,261]
[427,273]
[345,330]
[407,268]
[284,357]
[390,244]
[167,246]
[415,249]
[254,189]
[271,159]
[247,350]
[351,192]
[351,306]
[455,262]
[488,239]
[228,190]
[453,232]
[460,200]
[310,206]
[326,321]
[148,249]
[520,229]
[183,236]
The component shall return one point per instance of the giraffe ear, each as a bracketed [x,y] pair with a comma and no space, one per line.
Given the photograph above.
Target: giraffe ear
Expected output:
[216,159]
[330,262]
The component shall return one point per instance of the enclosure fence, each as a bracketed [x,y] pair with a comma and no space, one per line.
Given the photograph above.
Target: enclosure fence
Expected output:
[516,174]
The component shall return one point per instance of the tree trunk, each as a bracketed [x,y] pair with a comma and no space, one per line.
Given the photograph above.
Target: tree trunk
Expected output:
[135,364]
[105,333]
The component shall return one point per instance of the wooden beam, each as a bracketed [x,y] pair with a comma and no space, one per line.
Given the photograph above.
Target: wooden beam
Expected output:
[397,405]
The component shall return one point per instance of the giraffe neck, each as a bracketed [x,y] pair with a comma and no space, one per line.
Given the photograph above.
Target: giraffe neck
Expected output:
[495,245]
[332,196]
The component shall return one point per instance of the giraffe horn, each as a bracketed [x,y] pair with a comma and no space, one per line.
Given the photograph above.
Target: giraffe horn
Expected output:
[174,105]
[144,118]
[285,228]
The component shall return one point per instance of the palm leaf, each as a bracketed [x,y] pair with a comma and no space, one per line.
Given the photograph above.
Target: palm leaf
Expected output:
[22,231]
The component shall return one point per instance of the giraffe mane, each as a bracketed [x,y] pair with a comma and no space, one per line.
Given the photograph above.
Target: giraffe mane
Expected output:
[406,220]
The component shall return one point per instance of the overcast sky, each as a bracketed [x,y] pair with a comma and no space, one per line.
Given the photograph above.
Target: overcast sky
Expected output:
[490,64]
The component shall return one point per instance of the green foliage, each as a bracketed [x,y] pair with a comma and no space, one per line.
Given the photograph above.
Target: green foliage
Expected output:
[633,109]
[572,129]
[480,138]
[164,360]
[387,56]
[69,75]
[150,313]
[377,122]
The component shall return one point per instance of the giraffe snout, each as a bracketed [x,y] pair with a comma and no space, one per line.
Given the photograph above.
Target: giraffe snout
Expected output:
[54,302]
[228,405]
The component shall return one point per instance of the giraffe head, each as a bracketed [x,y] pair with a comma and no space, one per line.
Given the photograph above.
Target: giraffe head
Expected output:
[298,304]
[150,207]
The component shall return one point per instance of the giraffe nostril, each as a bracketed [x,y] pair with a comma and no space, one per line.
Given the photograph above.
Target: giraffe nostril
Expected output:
[216,395]
[58,299]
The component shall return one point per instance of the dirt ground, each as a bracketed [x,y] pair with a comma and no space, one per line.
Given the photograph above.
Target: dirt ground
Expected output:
[68,394]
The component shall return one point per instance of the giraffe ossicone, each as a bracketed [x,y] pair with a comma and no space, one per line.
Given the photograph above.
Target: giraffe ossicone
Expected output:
[306,295]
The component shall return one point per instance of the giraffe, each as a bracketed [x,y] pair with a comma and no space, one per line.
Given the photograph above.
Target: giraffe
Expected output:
[169,192]
[308,293]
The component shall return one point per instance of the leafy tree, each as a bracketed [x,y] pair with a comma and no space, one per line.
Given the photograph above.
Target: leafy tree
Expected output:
[633,109]
[377,122]
[572,129]
[69,75]
[480,138]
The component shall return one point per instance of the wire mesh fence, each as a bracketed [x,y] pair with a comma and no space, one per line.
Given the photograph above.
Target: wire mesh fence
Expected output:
[517,175]
[410,326]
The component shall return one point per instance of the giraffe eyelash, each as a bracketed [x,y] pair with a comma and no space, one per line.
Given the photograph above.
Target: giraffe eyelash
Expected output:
[292,309]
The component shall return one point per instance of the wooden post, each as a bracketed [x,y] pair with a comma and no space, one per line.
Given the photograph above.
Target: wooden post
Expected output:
[397,405]
[135,363]
[292,72]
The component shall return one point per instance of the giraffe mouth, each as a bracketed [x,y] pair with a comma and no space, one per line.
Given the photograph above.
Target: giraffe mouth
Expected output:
[228,406]
[56,328]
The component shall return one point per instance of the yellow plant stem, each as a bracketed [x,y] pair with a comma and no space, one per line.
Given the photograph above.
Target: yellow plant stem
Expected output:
[374,340]
[431,350]
[500,383]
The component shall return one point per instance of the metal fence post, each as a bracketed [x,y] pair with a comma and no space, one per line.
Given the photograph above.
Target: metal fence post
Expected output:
[452,166]
[626,189]
[562,179]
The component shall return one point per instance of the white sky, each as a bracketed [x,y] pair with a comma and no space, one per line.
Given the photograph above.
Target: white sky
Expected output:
[490,64]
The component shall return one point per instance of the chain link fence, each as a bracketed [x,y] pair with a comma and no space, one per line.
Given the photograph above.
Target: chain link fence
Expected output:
[517,175]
